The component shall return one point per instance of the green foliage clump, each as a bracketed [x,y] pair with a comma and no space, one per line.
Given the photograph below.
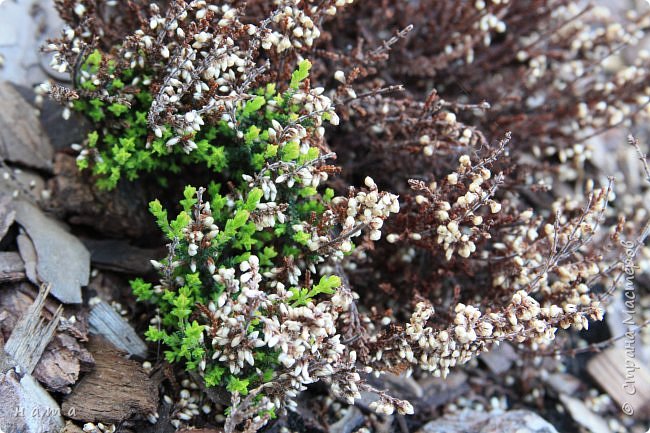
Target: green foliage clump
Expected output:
[243,297]
[251,295]
[123,146]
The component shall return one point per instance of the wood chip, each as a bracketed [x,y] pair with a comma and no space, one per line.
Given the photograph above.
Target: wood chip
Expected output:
[624,378]
[62,260]
[12,268]
[438,391]
[513,421]
[500,358]
[22,139]
[120,256]
[61,364]
[105,321]
[582,415]
[117,389]
[70,427]
[352,419]
[199,430]
[563,383]
[28,255]
[7,214]
[30,336]
[16,299]
[118,213]
[26,407]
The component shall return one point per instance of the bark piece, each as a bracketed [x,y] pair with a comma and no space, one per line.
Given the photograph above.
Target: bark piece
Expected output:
[12,268]
[582,415]
[7,214]
[514,421]
[465,421]
[62,133]
[70,427]
[352,419]
[122,212]
[14,303]
[199,430]
[64,357]
[105,321]
[16,299]
[30,336]
[438,391]
[28,255]
[500,358]
[22,139]
[109,287]
[117,388]
[624,378]
[120,256]
[62,260]
[25,407]
[61,364]
[563,383]
[22,183]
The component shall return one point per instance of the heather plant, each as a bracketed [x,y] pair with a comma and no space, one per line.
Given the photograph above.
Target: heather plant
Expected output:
[196,64]
[547,75]
[277,275]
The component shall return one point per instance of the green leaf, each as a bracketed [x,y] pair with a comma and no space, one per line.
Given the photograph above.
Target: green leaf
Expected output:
[253,105]
[94,58]
[254,197]
[291,151]
[298,296]
[326,285]
[240,218]
[156,209]
[237,385]
[118,109]
[266,255]
[268,375]
[271,150]
[92,138]
[307,191]
[300,74]
[95,112]
[190,198]
[88,85]
[312,153]
[181,307]
[301,237]
[82,164]
[141,289]
[213,375]
[252,134]
[121,155]
[328,195]
[177,226]
[117,84]
[154,334]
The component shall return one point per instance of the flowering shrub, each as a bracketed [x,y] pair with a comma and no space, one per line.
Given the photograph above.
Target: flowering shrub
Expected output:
[277,275]
[152,93]
[247,270]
